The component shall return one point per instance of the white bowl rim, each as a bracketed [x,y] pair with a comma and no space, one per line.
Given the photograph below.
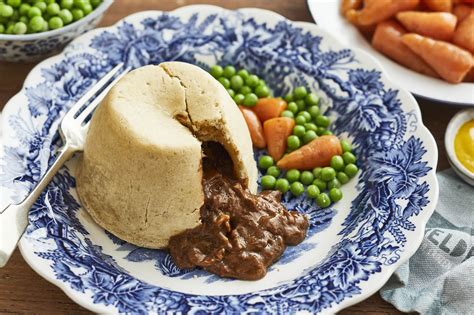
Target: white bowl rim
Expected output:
[43,35]
[423,132]
[453,127]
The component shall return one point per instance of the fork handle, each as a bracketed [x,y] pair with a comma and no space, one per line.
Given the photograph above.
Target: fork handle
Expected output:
[14,218]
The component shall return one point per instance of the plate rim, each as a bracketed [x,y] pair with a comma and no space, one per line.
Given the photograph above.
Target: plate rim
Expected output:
[423,132]
[386,62]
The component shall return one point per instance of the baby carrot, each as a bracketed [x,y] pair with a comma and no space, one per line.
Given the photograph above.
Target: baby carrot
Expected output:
[317,153]
[269,107]
[437,25]
[255,127]
[464,34]
[276,132]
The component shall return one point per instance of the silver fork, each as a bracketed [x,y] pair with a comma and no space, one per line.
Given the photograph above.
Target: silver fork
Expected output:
[14,218]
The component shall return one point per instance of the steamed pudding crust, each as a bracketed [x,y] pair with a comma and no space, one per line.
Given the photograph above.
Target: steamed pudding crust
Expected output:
[140,174]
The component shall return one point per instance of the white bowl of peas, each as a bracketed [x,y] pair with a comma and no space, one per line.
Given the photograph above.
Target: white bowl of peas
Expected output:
[34,29]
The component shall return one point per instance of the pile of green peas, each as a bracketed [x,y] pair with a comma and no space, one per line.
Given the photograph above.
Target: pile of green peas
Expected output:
[31,16]
[310,123]
[245,88]
[322,184]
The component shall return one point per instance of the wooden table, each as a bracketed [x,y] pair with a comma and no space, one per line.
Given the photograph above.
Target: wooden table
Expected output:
[23,291]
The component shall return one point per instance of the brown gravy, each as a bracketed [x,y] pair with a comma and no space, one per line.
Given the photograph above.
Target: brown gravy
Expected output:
[241,234]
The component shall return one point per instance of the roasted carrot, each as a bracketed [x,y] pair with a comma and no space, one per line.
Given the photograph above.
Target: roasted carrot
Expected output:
[375,11]
[462,11]
[255,127]
[388,40]
[437,25]
[269,107]
[464,34]
[469,76]
[449,61]
[276,132]
[317,153]
[439,5]
[350,5]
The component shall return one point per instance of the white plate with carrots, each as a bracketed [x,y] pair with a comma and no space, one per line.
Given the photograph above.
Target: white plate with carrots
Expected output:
[327,14]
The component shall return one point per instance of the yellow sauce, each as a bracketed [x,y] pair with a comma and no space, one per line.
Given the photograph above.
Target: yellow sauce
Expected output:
[464,145]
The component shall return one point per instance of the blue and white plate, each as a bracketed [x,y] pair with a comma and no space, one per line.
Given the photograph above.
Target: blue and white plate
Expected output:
[352,248]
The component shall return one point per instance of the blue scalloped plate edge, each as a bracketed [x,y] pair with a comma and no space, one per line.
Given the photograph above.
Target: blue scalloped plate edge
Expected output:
[406,97]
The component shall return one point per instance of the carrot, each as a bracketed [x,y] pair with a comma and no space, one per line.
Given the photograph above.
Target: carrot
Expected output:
[439,5]
[464,35]
[375,11]
[469,76]
[269,107]
[437,25]
[462,11]
[314,154]
[449,61]
[347,5]
[276,132]
[388,40]
[255,127]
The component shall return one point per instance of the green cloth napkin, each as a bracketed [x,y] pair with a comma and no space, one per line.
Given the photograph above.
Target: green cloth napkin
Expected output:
[439,277]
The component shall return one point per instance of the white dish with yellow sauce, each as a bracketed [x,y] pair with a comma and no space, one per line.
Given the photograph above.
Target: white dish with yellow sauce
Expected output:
[459,140]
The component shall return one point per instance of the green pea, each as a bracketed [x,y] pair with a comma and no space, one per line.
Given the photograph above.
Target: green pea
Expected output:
[250,100]
[268,182]
[265,161]
[224,81]
[245,90]
[317,172]
[320,131]
[320,183]
[20,28]
[301,105]
[293,175]
[14,3]
[24,8]
[273,171]
[299,131]
[310,126]
[297,189]
[322,121]
[342,177]
[300,92]
[323,200]
[229,71]
[45,26]
[236,82]
[15,16]
[328,173]
[95,3]
[2,29]
[334,183]
[252,80]
[289,97]
[300,120]
[41,5]
[282,185]
[293,142]
[309,136]
[231,92]
[313,111]
[326,133]
[36,23]
[243,73]
[312,99]
[313,191]
[307,177]
[66,16]
[351,170]
[348,158]
[335,194]
[217,71]
[9,29]
[6,10]
[24,19]
[87,8]
[337,163]
[77,14]
[55,23]
[53,8]
[239,99]
[306,115]
[262,91]
[67,4]
[287,113]
[346,146]
[261,82]
[292,107]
